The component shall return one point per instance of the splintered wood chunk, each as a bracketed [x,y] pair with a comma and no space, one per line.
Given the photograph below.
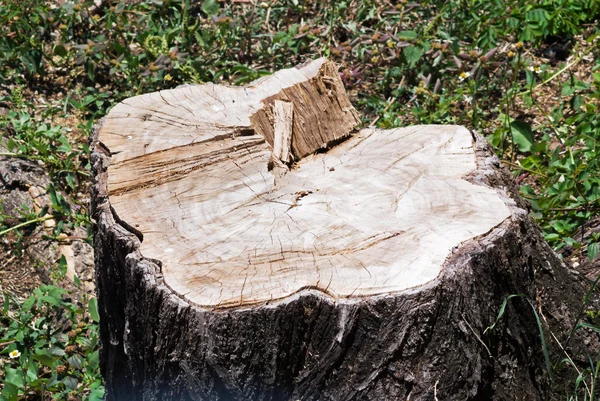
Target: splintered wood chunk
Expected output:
[283,115]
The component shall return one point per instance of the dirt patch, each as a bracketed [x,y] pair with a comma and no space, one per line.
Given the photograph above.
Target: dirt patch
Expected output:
[31,255]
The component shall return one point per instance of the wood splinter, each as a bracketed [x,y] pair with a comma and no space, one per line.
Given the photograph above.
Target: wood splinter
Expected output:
[283,116]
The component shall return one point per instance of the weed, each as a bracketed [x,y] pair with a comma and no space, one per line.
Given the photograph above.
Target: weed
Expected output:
[49,347]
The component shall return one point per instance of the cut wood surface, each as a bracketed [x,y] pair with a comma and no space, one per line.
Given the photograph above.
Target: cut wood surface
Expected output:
[378,213]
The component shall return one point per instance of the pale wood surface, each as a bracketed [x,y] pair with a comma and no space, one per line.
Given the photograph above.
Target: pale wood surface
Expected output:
[283,127]
[377,214]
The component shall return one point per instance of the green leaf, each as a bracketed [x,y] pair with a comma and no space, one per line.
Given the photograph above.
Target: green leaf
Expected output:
[84,342]
[10,392]
[15,377]
[59,203]
[522,135]
[50,384]
[75,361]
[50,300]
[76,279]
[62,265]
[97,394]
[32,372]
[60,50]
[502,309]
[408,35]
[92,360]
[44,356]
[210,7]
[28,304]
[583,325]
[65,146]
[280,37]
[6,305]
[70,382]
[56,292]
[592,250]
[32,60]
[57,351]
[543,339]
[413,54]
[93,309]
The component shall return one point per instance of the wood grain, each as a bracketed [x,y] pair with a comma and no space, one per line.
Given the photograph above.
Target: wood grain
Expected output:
[376,214]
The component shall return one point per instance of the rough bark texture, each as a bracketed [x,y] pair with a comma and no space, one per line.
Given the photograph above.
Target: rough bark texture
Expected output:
[421,344]
[321,113]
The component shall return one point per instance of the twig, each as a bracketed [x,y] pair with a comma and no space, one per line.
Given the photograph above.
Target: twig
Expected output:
[267,26]
[570,360]
[5,263]
[26,223]
[553,76]
[387,106]
[477,336]
[67,238]
[574,209]
[18,155]
[515,165]
[435,390]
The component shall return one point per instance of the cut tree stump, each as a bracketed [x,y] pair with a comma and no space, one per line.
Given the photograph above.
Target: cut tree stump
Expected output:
[250,246]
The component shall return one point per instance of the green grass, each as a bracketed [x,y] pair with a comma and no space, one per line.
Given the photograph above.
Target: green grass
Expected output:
[478,63]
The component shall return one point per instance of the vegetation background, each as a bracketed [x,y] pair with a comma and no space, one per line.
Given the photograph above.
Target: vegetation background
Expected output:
[524,73]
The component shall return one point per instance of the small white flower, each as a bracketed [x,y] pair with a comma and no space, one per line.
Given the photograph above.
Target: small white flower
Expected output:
[14,354]
[463,76]
[468,99]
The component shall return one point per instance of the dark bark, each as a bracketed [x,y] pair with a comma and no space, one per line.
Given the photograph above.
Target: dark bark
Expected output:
[416,343]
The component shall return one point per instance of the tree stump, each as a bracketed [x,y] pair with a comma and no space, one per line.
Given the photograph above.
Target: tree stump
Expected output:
[250,246]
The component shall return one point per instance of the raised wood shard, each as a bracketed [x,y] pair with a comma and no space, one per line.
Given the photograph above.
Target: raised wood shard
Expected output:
[284,121]
[283,113]
[376,214]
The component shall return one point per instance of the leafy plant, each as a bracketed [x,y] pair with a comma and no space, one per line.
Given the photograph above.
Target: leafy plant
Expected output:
[48,346]
[49,144]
